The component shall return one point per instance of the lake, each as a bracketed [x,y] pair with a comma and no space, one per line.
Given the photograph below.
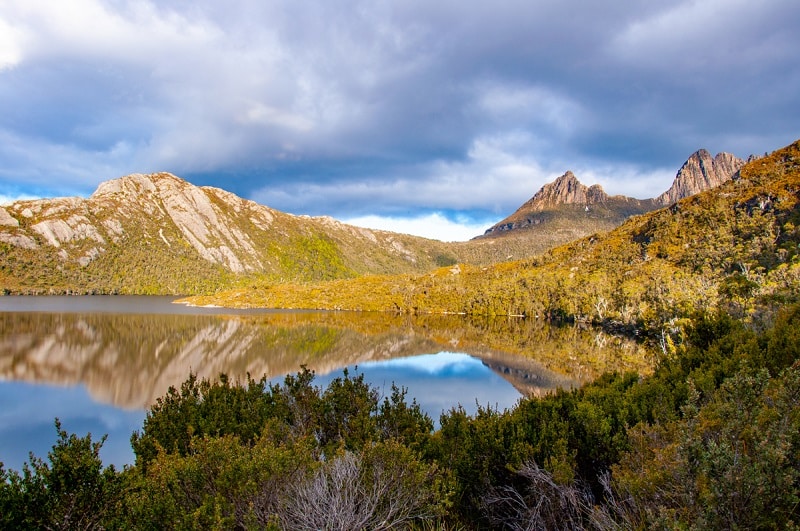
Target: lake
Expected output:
[98,362]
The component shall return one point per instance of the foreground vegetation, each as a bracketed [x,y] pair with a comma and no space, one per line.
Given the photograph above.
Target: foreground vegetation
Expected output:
[710,440]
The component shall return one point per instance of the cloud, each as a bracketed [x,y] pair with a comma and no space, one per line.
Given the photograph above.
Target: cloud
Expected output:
[8,199]
[492,178]
[10,45]
[358,107]
[709,38]
[435,226]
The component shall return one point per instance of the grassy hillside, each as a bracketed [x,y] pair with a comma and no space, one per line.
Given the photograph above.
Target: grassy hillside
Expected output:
[734,247]
[158,234]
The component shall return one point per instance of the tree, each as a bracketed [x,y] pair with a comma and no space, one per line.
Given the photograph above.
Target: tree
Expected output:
[71,490]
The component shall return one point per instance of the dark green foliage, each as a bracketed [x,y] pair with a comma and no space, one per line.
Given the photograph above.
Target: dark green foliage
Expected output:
[710,440]
[730,463]
[218,454]
[347,414]
[203,408]
[220,483]
[444,260]
[782,342]
[71,490]
[403,422]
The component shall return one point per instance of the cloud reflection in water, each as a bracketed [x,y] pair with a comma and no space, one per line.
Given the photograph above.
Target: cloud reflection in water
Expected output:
[438,381]
[28,411]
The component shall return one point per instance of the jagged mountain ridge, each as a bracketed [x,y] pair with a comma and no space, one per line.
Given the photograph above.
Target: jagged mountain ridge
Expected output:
[568,197]
[574,210]
[568,190]
[160,234]
[699,173]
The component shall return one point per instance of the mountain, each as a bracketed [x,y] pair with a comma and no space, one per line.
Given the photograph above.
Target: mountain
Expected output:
[699,173]
[565,209]
[561,211]
[160,234]
[567,197]
[566,190]
[734,248]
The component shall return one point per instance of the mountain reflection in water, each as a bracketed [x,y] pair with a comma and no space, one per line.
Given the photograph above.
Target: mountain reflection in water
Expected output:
[127,351]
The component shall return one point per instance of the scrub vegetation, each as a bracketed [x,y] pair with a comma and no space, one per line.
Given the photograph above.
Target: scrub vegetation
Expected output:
[709,440]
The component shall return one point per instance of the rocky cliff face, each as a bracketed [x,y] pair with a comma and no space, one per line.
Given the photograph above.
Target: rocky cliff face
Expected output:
[204,217]
[142,208]
[566,190]
[566,209]
[570,208]
[699,173]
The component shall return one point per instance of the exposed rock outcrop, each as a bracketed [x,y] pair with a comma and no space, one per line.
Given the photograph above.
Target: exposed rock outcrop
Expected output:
[566,201]
[566,190]
[699,173]
[566,209]
[6,219]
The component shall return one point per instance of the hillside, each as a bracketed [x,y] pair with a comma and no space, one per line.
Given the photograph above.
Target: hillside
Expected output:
[159,234]
[566,209]
[734,246]
[580,203]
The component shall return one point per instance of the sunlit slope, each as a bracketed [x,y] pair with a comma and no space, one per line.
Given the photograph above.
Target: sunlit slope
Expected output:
[734,246]
[160,234]
[565,210]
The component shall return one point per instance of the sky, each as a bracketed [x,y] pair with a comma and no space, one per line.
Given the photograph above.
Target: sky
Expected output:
[431,118]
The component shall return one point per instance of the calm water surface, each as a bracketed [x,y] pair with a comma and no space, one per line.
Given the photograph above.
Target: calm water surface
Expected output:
[97,363]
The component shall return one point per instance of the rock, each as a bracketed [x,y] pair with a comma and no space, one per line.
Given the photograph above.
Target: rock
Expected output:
[6,219]
[699,173]
[551,212]
[18,240]
[566,190]
[59,231]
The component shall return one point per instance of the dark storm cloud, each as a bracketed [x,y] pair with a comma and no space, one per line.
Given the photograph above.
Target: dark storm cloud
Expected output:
[376,107]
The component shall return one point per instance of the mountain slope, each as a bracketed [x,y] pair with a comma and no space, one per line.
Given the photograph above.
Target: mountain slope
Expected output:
[734,247]
[159,234]
[566,209]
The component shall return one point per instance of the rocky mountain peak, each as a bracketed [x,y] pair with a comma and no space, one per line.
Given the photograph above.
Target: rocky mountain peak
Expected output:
[138,185]
[699,173]
[565,190]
